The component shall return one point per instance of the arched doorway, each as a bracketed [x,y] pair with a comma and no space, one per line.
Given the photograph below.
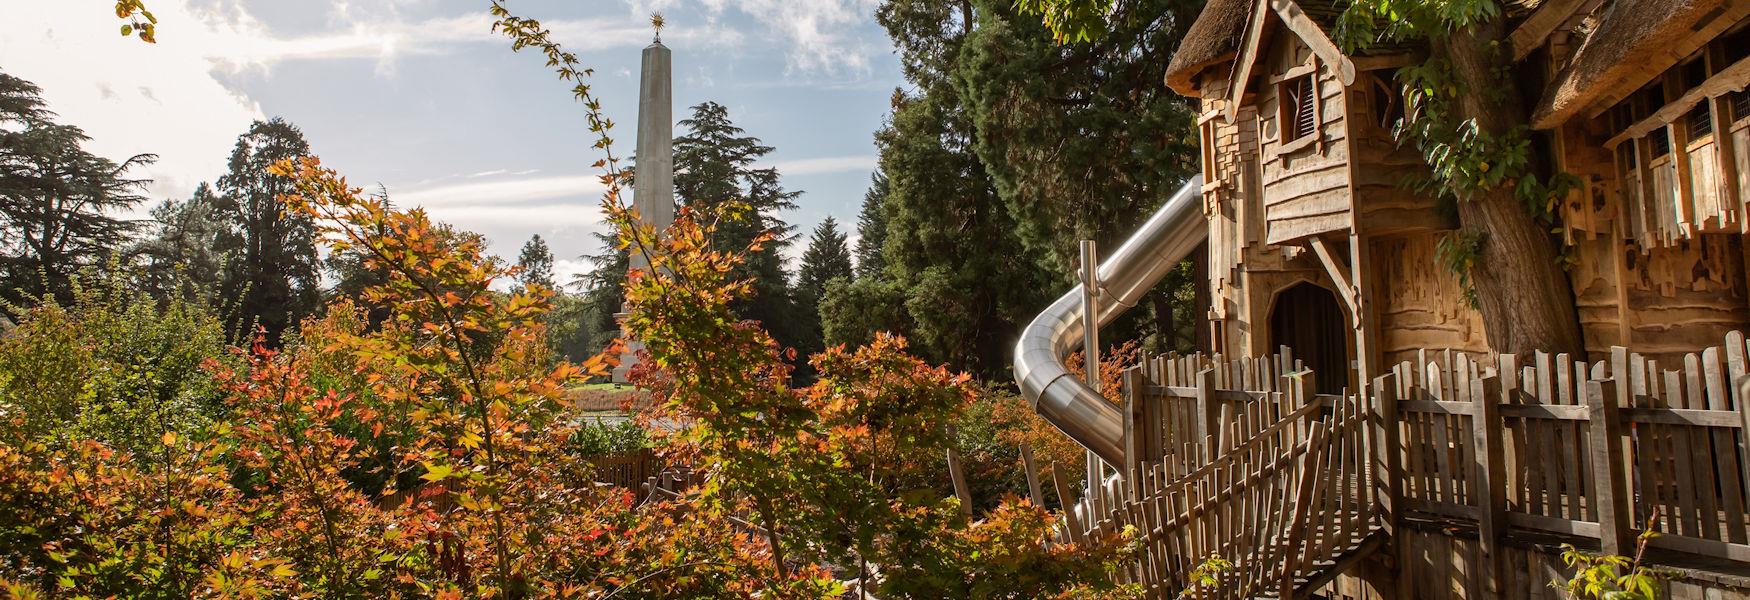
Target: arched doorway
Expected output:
[1308,319]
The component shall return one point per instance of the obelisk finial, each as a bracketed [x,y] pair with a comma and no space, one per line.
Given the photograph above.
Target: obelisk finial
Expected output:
[656,23]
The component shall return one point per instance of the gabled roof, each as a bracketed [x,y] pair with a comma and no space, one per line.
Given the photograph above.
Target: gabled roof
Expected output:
[1226,27]
[1288,15]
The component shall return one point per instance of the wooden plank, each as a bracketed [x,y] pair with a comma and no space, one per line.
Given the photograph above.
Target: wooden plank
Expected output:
[1610,489]
[1553,524]
[1441,407]
[1536,28]
[1490,495]
[1034,491]
[1546,412]
[1718,399]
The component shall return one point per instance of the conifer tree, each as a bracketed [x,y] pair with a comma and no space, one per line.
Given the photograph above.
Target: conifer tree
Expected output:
[714,165]
[827,259]
[535,263]
[272,272]
[57,200]
[872,227]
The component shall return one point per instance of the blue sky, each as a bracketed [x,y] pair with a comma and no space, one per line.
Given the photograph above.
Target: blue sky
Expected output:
[420,97]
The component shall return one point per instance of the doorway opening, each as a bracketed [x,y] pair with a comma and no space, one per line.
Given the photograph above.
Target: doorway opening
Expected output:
[1309,320]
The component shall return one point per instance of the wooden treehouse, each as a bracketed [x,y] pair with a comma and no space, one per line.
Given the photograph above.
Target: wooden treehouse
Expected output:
[1376,447]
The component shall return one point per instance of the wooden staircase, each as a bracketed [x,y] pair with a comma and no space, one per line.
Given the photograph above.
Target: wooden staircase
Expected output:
[1255,471]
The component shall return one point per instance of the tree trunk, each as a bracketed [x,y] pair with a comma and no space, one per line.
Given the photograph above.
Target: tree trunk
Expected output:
[1522,292]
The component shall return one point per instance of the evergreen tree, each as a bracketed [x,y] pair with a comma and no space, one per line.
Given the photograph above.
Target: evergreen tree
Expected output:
[535,263]
[272,270]
[183,245]
[872,227]
[827,259]
[714,166]
[57,200]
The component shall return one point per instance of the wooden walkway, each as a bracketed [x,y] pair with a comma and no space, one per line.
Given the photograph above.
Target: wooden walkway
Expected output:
[1235,459]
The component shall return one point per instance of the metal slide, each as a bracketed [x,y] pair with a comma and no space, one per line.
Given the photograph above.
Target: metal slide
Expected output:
[1060,396]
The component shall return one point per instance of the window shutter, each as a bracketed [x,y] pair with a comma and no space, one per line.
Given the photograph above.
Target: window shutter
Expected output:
[1305,119]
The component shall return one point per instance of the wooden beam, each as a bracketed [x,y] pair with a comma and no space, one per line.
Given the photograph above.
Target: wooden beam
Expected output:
[1388,61]
[1339,273]
[1536,28]
[1249,49]
[1309,31]
[1732,79]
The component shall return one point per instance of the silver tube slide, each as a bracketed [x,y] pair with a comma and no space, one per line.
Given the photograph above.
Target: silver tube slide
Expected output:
[1062,398]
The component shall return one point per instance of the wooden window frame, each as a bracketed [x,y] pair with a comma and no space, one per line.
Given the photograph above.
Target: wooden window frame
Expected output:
[1286,115]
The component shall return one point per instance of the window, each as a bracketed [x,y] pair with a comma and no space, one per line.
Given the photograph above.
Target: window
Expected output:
[1740,102]
[1298,108]
[1700,121]
[1660,142]
[1388,105]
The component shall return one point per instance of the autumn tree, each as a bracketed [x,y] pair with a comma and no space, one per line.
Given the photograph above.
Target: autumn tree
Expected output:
[57,200]
[272,272]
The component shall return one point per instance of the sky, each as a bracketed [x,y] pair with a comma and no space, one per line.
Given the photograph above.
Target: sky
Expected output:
[421,98]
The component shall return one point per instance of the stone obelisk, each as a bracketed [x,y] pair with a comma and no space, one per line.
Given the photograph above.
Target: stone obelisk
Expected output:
[653,169]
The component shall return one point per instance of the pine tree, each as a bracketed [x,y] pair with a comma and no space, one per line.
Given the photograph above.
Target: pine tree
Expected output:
[57,200]
[535,263]
[272,273]
[827,259]
[872,227]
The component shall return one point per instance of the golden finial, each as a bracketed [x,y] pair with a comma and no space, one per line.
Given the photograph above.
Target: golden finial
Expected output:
[656,22]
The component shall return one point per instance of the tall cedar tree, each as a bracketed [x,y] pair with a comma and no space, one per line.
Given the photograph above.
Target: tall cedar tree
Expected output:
[714,166]
[57,201]
[872,227]
[272,272]
[535,263]
[968,283]
[827,259]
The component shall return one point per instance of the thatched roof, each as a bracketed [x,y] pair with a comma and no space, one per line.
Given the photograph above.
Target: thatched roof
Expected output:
[1210,41]
[1634,42]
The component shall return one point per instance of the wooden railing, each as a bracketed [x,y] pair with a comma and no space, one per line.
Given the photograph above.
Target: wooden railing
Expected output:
[1236,459]
[632,470]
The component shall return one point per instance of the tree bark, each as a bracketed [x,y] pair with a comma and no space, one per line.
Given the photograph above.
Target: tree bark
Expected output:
[1522,291]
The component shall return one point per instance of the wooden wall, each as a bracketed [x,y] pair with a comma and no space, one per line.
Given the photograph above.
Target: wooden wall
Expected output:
[1306,190]
[1417,302]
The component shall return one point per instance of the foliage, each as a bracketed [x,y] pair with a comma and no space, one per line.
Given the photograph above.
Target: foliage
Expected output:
[535,263]
[1070,20]
[272,270]
[57,200]
[1605,577]
[1205,576]
[137,20]
[830,472]
[827,259]
[715,173]
[594,438]
[182,246]
[853,312]
[112,365]
[872,227]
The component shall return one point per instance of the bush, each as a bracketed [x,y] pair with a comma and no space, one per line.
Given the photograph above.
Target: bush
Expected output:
[597,438]
[115,366]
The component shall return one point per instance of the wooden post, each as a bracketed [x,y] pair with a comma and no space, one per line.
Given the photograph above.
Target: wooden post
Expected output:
[1743,386]
[1070,522]
[1208,408]
[1034,490]
[1391,496]
[958,475]
[1610,491]
[1491,503]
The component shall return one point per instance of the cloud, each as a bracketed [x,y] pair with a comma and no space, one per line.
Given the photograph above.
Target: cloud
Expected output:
[524,190]
[131,97]
[826,164]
